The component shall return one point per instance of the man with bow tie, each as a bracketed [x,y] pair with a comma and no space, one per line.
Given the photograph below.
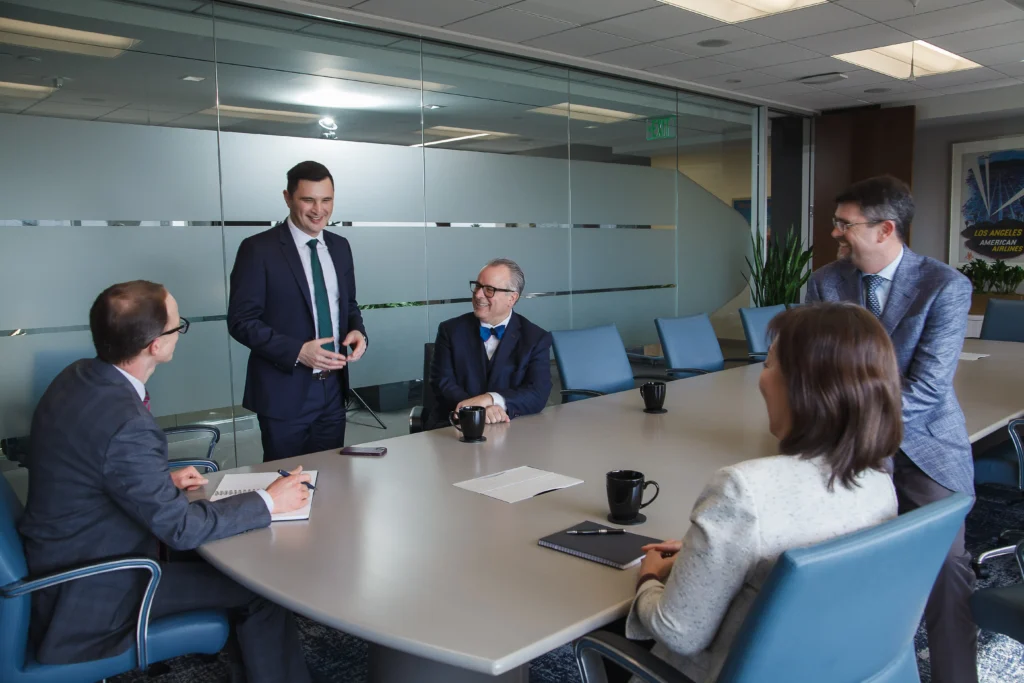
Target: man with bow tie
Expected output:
[492,357]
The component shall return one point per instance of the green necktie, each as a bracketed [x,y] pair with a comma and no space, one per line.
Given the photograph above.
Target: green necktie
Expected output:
[320,300]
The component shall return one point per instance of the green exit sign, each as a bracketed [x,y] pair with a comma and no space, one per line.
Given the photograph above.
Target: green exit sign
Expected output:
[661,128]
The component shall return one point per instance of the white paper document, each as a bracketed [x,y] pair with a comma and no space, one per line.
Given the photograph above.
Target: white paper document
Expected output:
[234,484]
[518,484]
[964,355]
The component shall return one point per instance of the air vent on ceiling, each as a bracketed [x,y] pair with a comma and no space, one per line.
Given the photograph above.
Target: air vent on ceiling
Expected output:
[714,42]
[822,79]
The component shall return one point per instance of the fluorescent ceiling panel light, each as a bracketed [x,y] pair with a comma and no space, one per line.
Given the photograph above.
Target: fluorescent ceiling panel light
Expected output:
[906,60]
[453,134]
[338,99]
[262,114]
[441,142]
[582,112]
[733,11]
[60,39]
[24,92]
[382,80]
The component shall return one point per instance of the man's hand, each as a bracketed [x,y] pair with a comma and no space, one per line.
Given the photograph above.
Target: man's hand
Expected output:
[654,563]
[495,414]
[357,341]
[289,493]
[313,355]
[187,478]
[483,400]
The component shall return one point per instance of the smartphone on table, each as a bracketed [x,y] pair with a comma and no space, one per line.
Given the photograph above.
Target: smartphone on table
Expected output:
[368,451]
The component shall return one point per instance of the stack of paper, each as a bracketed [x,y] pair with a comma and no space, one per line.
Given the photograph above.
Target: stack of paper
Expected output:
[234,484]
[518,484]
[964,355]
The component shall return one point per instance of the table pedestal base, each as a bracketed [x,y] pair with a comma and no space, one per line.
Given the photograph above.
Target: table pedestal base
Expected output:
[393,666]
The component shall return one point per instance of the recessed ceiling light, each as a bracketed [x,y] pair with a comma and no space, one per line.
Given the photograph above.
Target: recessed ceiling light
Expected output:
[908,60]
[382,80]
[433,106]
[875,91]
[582,112]
[22,91]
[732,11]
[327,123]
[60,39]
[714,42]
[193,79]
[261,114]
[822,79]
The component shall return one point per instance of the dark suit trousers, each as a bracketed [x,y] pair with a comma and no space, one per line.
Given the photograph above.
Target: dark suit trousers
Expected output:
[266,632]
[319,426]
[952,634]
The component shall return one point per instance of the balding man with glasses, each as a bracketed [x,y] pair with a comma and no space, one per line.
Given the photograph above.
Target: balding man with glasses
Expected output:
[491,357]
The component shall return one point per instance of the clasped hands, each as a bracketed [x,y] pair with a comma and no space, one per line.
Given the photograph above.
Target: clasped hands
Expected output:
[314,356]
[494,413]
[660,558]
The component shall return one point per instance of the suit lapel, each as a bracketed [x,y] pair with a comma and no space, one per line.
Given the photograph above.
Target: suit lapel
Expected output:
[902,292]
[475,354]
[850,287]
[291,255]
[505,347]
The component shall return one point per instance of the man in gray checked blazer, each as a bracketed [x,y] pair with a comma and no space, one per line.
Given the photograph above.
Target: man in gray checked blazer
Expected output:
[923,305]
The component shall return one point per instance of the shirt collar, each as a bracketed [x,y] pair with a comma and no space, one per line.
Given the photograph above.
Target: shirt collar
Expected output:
[503,322]
[140,388]
[890,270]
[301,238]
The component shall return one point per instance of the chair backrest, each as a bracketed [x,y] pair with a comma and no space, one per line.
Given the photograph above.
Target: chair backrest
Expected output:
[755,326]
[690,343]
[14,612]
[1004,320]
[428,392]
[846,610]
[594,359]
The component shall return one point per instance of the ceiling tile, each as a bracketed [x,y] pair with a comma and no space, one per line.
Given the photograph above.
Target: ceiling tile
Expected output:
[862,77]
[959,78]
[956,19]
[492,3]
[823,100]
[580,42]
[510,25]
[1015,69]
[1010,33]
[884,10]
[987,85]
[995,56]
[768,55]
[853,39]
[809,21]
[891,86]
[777,90]
[900,97]
[69,111]
[584,12]
[747,79]
[657,24]
[694,68]
[435,13]
[739,39]
[811,67]
[642,57]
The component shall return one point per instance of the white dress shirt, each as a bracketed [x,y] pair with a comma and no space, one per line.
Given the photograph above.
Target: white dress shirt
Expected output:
[887,273]
[490,346]
[140,389]
[330,277]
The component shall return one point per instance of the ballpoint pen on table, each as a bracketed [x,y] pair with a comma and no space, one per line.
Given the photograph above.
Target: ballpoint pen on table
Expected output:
[286,473]
[594,532]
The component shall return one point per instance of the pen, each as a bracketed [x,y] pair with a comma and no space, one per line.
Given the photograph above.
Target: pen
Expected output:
[595,532]
[285,473]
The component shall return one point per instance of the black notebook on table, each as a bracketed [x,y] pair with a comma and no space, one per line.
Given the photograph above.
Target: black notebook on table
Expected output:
[615,550]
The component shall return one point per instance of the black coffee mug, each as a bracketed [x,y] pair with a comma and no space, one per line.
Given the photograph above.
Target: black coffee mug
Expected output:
[626,492]
[653,394]
[470,421]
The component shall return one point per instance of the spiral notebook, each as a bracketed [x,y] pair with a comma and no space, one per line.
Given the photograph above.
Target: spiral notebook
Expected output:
[234,484]
[619,550]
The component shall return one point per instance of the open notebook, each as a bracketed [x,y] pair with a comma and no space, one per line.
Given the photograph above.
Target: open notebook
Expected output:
[233,484]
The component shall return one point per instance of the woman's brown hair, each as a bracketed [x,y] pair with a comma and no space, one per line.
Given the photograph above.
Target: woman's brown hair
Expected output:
[843,386]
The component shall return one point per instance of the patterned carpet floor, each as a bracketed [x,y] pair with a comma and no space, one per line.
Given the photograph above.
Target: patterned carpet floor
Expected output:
[336,657]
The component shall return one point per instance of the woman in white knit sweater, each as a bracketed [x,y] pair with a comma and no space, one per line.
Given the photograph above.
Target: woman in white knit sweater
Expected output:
[832,390]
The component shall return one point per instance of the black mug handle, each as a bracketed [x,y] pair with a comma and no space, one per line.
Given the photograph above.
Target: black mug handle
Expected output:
[657,490]
[452,421]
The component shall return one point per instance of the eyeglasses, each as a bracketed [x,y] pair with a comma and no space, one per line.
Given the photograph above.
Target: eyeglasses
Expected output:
[182,328]
[843,226]
[489,291]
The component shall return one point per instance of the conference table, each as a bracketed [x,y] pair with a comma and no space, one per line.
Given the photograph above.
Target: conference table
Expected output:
[450,585]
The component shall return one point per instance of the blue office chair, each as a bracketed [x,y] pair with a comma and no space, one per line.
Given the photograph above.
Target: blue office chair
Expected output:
[204,631]
[755,328]
[1001,608]
[1002,464]
[830,612]
[691,346]
[593,362]
[1004,320]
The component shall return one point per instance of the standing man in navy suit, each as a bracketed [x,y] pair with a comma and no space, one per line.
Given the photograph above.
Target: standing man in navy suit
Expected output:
[293,304]
[492,357]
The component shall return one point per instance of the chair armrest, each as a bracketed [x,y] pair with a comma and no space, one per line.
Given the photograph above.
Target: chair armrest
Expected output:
[593,647]
[198,429]
[1015,437]
[586,392]
[24,587]
[690,371]
[756,357]
[208,465]
[416,420]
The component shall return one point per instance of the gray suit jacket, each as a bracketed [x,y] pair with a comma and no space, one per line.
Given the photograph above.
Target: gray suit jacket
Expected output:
[99,488]
[926,316]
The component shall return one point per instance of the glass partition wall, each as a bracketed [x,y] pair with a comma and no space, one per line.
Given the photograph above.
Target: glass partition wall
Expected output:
[148,139]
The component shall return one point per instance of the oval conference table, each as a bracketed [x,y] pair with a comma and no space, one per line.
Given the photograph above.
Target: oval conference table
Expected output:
[450,585]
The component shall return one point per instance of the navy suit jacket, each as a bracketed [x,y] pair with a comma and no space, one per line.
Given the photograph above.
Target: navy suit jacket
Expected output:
[100,488]
[520,369]
[926,317]
[270,310]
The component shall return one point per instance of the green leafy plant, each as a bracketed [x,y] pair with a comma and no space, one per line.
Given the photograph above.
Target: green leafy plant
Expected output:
[979,273]
[993,278]
[776,278]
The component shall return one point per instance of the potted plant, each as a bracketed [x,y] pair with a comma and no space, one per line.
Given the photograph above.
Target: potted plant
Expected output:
[776,278]
[998,280]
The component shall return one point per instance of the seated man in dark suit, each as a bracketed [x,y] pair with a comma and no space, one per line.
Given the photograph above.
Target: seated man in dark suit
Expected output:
[492,357]
[100,488]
